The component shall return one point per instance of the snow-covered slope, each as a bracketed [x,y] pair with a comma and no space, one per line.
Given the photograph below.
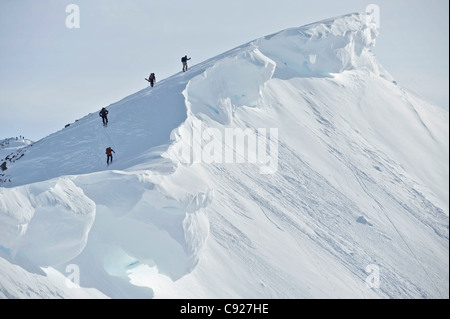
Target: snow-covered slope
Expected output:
[290,167]
[12,144]
[11,150]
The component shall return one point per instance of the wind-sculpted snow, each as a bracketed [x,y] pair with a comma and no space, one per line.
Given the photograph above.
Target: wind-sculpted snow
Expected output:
[324,48]
[138,223]
[334,183]
[232,82]
[106,224]
[46,223]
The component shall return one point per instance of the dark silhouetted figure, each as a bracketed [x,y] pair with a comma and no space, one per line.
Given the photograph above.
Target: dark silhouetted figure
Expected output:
[104,115]
[184,61]
[109,157]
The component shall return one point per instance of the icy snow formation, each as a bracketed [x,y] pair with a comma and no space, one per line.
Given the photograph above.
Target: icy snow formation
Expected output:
[359,182]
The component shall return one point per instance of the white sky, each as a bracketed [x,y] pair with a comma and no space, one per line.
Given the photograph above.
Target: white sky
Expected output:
[51,75]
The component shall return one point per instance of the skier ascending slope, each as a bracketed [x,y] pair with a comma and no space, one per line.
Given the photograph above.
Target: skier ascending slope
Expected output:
[109,157]
[151,79]
[104,115]
[184,61]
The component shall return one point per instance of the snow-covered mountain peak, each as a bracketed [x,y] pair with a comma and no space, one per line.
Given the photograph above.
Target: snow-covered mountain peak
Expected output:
[324,48]
[288,167]
[215,88]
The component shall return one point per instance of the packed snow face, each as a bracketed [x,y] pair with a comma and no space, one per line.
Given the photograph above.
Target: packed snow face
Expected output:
[289,167]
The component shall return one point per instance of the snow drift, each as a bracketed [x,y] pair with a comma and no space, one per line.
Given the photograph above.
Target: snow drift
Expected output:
[358,185]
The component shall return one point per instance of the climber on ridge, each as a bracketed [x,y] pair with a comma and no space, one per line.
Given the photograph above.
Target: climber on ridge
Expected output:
[104,115]
[184,61]
[151,79]
[109,157]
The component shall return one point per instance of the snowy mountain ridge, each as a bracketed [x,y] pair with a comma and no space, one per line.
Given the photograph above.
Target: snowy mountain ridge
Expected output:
[10,145]
[336,170]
